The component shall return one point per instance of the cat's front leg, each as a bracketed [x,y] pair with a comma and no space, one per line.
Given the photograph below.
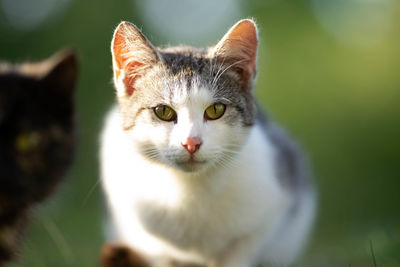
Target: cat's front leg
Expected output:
[241,252]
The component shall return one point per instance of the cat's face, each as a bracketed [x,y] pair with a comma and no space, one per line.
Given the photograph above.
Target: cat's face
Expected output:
[187,108]
[36,120]
[189,128]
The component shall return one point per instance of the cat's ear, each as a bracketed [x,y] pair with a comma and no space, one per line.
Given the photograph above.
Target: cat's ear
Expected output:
[132,54]
[238,49]
[61,74]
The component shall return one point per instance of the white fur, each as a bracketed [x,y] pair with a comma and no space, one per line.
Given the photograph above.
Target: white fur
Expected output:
[232,214]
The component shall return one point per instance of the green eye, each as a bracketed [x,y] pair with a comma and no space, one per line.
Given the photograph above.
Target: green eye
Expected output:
[165,113]
[215,111]
[27,141]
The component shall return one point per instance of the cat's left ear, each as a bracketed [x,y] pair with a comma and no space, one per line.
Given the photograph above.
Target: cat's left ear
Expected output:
[62,73]
[238,49]
[132,54]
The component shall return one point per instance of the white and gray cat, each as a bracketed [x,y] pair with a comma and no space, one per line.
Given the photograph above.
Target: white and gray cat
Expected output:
[192,170]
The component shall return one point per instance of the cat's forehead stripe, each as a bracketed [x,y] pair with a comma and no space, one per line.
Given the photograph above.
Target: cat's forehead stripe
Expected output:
[188,81]
[194,91]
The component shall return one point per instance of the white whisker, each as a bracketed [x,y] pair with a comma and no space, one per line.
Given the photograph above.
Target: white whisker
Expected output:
[223,71]
[218,72]
[89,194]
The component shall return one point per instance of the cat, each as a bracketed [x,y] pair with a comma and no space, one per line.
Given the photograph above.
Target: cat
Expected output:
[37,139]
[193,172]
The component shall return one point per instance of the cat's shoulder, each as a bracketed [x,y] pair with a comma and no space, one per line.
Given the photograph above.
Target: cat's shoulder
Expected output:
[291,162]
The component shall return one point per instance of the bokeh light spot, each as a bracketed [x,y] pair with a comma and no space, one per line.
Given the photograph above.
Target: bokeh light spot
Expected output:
[355,22]
[190,21]
[29,14]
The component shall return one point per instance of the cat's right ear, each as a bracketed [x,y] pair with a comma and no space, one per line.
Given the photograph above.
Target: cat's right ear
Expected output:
[132,54]
[61,73]
[238,48]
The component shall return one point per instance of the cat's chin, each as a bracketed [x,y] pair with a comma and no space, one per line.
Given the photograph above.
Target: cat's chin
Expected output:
[191,166]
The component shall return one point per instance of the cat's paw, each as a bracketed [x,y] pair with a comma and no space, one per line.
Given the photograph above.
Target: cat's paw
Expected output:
[120,255]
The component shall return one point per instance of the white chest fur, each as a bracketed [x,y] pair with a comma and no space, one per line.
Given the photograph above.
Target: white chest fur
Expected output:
[160,211]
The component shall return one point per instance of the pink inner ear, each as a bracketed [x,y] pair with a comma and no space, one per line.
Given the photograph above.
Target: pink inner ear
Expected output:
[120,52]
[243,39]
[132,54]
[129,79]
[239,47]
[119,49]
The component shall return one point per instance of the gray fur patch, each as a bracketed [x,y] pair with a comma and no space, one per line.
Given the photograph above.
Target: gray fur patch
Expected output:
[292,167]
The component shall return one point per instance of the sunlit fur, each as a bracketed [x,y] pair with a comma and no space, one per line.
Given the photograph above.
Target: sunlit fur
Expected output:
[226,206]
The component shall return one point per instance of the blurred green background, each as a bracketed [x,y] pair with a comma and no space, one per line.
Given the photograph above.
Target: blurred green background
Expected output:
[329,71]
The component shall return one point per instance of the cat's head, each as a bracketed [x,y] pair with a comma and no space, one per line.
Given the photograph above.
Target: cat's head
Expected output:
[37,118]
[185,107]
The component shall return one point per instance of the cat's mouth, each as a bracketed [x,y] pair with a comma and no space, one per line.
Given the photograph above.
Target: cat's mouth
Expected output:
[191,161]
[191,164]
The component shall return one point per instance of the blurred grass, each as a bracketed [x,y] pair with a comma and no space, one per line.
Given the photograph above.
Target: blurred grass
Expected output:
[340,101]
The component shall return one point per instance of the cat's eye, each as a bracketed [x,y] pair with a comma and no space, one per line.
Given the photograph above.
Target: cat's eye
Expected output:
[215,111]
[165,113]
[27,141]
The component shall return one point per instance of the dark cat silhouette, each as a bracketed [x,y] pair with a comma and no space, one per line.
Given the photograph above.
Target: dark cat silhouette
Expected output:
[37,139]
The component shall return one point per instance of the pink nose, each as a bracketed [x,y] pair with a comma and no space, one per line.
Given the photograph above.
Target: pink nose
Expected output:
[192,144]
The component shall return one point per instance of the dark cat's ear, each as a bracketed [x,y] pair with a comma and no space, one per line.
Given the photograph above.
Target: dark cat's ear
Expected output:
[238,48]
[132,54]
[62,73]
